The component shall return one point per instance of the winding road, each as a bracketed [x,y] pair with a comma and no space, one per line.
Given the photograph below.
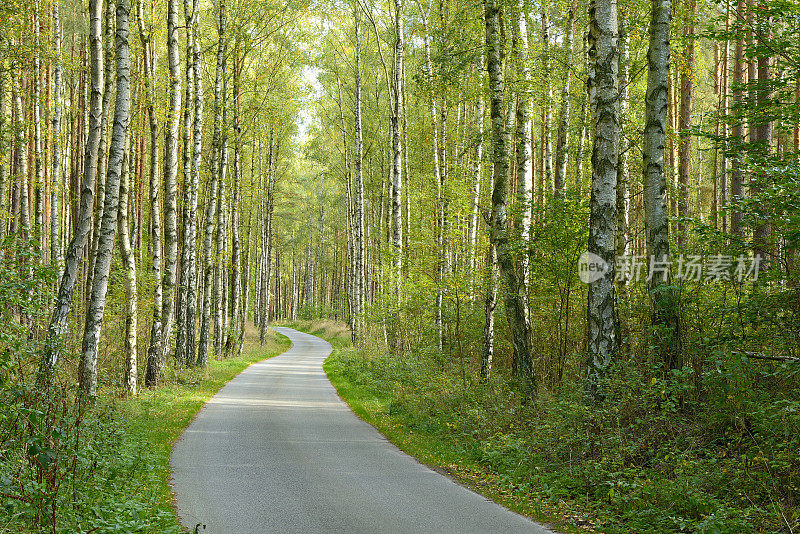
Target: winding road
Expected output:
[277,451]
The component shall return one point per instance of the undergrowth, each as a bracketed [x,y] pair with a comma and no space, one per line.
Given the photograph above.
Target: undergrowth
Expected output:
[104,469]
[648,459]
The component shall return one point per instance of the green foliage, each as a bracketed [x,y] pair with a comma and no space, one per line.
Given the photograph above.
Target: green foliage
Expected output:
[652,458]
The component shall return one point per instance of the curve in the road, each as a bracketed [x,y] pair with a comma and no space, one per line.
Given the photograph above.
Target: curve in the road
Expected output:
[276,451]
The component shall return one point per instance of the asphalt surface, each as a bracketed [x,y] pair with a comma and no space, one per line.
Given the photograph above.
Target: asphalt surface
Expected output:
[276,450]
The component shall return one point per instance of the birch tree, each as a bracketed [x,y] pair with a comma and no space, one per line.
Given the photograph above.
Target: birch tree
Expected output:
[358,193]
[563,118]
[192,144]
[211,203]
[58,320]
[154,351]
[129,265]
[96,307]
[516,307]
[55,168]
[663,299]
[170,185]
[601,341]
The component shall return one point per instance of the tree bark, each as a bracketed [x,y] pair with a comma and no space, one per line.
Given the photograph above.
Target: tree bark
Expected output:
[154,351]
[236,278]
[3,165]
[476,188]
[221,234]
[129,265]
[524,170]
[737,131]
[397,152]
[211,203]
[547,126]
[563,122]
[38,165]
[358,184]
[663,298]
[685,123]
[170,188]
[601,313]
[623,184]
[58,320]
[764,130]
[55,171]
[94,312]
[102,152]
[516,305]
[487,356]
[192,126]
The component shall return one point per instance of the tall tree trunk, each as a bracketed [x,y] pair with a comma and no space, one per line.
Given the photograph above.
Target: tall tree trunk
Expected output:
[55,171]
[487,355]
[737,131]
[715,166]
[724,130]
[38,165]
[516,305]
[547,141]
[170,187]
[221,235]
[3,164]
[563,121]
[102,152]
[397,152]
[185,335]
[524,170]
[129,264]
[358,185]
[579,150]
[601,313]
[476,188]
[211,203]
[623,184]
[154,351]
[21,168]
[663,298]
[235,285]
[94,312]
[58,320]
[764,127]
[685,122]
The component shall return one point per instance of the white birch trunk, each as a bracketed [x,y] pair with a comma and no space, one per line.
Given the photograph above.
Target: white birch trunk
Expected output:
[602,343]
[55,171]
[211,206]
[129,265]
[58,320]
[664,312]
[563,121]
[516,306]
[96,307]
[170,185]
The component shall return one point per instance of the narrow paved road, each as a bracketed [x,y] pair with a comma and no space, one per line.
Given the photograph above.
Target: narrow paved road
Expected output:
[277,451]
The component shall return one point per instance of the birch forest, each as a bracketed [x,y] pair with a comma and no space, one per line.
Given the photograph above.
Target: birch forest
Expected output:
[556,241]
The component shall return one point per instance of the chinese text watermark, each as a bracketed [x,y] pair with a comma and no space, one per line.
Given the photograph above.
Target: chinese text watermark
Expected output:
[691,267]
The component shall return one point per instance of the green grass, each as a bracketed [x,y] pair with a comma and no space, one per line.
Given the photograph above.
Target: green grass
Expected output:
[156,418]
